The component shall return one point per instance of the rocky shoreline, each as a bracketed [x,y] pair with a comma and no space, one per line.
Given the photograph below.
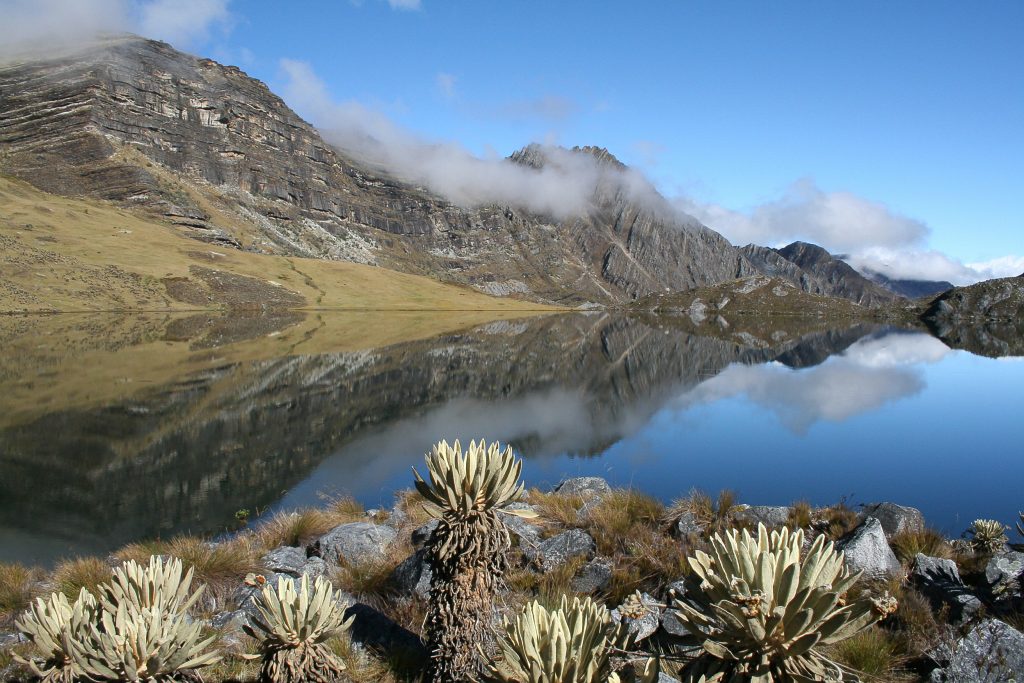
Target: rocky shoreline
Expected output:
[961,605]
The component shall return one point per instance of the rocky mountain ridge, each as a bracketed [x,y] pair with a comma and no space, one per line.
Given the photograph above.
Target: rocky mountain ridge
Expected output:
[215,152]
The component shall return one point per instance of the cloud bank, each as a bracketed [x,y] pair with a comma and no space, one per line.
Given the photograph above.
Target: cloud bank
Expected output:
[562,188]
[32,26]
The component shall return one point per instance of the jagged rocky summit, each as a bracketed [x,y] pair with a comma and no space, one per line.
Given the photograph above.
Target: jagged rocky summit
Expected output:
[213,151]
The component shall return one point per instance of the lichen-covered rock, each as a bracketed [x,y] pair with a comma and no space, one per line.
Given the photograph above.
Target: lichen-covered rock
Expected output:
[592,577]
[559,549]
[685,525]
[991,652]
[895,518]
[642,617]
[939,580]
[355,543]
[1005,573]
[769,515]
[867,550]
[285,560]
[586,487]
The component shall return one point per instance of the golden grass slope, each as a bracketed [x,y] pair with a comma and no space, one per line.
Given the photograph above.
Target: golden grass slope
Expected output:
[61,254]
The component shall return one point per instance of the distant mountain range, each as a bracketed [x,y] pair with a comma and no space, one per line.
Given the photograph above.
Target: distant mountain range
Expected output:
[213,152]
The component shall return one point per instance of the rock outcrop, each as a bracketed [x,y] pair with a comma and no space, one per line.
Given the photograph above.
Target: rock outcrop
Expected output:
[836,277]
[215,152]
[986,318]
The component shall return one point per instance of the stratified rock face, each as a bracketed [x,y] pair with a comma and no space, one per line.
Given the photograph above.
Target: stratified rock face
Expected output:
[836,277]
[214,151]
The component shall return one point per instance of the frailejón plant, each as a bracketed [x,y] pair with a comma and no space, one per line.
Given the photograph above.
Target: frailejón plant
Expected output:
[159,584]
[571,644]
[759,610]
[56,628]
[987,535]
[147,644]
[467,551]
[292,628]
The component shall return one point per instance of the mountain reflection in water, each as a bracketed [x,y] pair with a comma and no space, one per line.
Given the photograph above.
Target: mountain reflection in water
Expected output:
[206,425]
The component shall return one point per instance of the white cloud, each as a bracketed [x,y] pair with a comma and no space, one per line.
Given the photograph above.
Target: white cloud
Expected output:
[181,22]
[564,187]
[839,221]
[446,84]
[404,4]
[31,26]
[929,264]
[870,374]
[1004,266]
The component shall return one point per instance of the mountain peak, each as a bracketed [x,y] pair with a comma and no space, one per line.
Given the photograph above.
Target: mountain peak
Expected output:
[536,155]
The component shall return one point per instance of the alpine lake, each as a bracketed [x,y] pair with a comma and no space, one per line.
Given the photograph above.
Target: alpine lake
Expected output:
[118,428]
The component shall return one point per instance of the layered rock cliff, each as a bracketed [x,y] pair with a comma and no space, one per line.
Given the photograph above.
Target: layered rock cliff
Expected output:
[214,151]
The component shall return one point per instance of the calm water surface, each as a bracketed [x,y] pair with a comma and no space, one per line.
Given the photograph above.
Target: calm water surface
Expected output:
[114,429]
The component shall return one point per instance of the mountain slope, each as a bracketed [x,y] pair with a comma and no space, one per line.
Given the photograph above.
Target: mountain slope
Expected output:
[912,289]
[836,277]
[214,151]
[67,254]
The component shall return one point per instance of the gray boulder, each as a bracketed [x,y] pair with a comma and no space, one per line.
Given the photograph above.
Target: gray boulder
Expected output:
[769,515]
[355,543]
[528,533]
[413,575]
[1005,573]
[641,624]
[991,652]
[587,487]
[231,621]
[894,518]
[243,594]
[592,577]
[559,549]
[868,551]
[285,560]
[939,580]
[422,534]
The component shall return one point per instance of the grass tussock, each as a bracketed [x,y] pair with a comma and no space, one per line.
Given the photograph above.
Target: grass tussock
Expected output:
[874,653]
[221,567]
[714,515]
[838,520]
[619,516]
[409,504]
[907,544]
[71,576]
[556,508]
[16,589]
[299,527]
[801,515]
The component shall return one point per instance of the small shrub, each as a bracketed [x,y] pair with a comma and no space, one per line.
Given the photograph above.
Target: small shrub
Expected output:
[292,628]
[217,565]
[742,603]
[572,643]
[71,576]
[987,536]
[56,627]
[907,544]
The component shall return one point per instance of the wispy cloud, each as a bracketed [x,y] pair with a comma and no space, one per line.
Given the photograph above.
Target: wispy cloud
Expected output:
[405,4]
[43,25]
[446,84]
[564,187]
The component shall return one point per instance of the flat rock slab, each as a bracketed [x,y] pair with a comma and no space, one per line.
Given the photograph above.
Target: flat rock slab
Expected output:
[992,652]
[895,518]
[769,515]
[868,551]
[355,543]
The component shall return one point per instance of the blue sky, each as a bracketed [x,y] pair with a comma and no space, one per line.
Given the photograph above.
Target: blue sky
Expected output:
[899,124]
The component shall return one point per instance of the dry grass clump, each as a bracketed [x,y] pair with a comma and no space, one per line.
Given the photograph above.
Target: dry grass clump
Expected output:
[16,589]
[619,516]
[801,515]
[559,508]
[907,544]
[874,653]
[221,566]
[371,577]
[299,527]
[713,515]
[409,503]
[71,576]
[837,520]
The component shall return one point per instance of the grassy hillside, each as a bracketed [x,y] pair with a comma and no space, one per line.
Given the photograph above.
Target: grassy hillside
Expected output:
[60,254]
